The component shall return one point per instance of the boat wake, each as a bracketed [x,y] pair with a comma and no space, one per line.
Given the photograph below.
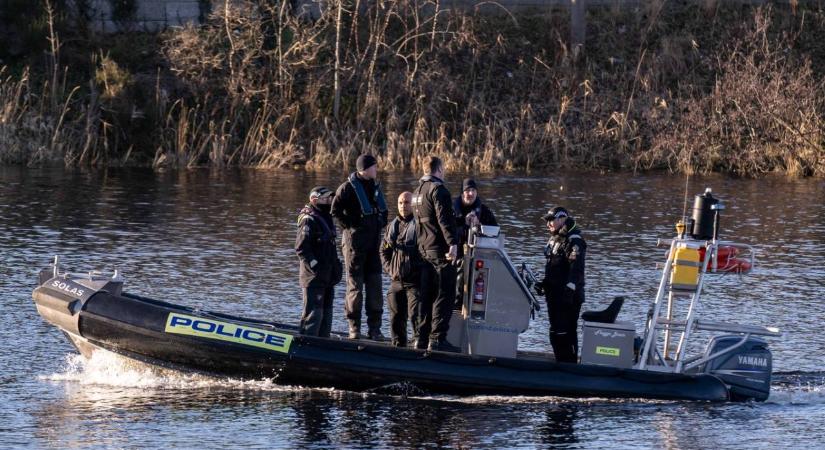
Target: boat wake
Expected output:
[109,369]
[798,388]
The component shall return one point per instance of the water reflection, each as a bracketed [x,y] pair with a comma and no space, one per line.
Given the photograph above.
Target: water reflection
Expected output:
[313,416]
[558,429]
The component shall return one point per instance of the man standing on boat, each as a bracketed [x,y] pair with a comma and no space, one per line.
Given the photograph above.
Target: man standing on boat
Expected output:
[320,269]
[402,262]
[469,211]
[438,244]
[564,282]
[360,208]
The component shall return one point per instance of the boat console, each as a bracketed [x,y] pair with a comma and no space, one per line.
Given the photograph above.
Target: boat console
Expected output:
[497,303]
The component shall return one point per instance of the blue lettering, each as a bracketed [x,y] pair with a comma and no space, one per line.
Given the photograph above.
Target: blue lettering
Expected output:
[238,332]
[247,335]
[223,333]
[210,327]
[275,340]
[180,321]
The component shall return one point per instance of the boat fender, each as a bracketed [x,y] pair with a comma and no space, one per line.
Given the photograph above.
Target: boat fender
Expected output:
[75,306]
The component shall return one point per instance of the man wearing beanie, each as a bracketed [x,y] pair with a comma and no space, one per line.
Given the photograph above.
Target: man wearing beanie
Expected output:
[469,211]
[361,210]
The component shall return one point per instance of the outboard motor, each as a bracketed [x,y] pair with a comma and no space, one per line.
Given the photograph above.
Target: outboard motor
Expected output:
[705,218]
[746,369]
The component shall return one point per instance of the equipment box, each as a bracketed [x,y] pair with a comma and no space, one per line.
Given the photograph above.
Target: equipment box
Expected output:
[608,344]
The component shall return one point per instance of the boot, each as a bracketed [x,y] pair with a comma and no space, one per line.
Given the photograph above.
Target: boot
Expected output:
[443,346]
[376,335]
[354,333]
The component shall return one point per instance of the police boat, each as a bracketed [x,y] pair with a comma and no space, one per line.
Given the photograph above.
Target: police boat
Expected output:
[95,313]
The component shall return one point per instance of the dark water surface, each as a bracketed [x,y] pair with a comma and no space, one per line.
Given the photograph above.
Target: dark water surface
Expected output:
[223,241]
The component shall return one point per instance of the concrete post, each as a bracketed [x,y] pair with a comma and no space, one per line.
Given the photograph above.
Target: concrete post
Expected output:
[577,27]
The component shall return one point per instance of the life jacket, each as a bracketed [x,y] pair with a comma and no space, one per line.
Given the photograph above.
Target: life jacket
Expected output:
[558,244]
[367,208]
[406,260]
[561,251]
[408,240]
[327,231]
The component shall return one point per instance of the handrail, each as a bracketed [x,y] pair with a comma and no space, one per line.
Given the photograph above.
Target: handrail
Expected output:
[650,331]
[737,328]
[713,356]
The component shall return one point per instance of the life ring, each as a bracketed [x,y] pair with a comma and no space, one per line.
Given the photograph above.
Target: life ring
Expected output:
[735,265]
[726,260]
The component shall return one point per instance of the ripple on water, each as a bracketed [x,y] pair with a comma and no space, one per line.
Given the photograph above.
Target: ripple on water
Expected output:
[222,241]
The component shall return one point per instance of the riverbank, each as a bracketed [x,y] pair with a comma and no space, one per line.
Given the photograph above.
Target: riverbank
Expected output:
[681,87]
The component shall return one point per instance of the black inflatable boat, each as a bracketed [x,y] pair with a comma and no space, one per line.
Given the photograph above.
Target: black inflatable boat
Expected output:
[94,313]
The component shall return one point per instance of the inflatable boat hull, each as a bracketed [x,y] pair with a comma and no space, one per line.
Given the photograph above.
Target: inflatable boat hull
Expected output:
[182,338]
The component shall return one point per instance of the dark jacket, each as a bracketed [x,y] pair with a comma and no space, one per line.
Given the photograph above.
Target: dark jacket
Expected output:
[316,241]
[565,253]
[399,251]
[485,216]
[361,210]
[435,223]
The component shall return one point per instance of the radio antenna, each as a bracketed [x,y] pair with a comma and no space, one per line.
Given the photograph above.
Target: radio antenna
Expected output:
[687,184]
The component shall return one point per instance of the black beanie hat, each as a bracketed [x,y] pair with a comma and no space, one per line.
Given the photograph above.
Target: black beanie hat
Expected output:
[468,183]
[364,162]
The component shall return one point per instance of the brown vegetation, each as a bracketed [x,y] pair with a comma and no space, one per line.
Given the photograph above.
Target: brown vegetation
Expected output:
[678,87]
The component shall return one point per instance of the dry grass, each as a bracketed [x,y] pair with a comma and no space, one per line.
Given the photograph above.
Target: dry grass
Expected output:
[677,87]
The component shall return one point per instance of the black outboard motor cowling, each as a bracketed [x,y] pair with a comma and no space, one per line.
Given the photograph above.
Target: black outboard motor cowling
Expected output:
[746,370]
[703,216]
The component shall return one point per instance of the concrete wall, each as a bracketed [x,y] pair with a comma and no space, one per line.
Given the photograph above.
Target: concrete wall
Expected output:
[154,15]
[149,15]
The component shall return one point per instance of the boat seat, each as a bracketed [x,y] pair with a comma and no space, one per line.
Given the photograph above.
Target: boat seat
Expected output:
[607,315]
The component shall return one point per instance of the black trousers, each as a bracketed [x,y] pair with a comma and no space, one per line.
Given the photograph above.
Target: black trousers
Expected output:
[564,323]
[363,274]
[317,317]
[437,298]
[404,302]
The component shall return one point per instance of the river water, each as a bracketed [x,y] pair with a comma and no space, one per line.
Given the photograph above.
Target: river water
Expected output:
[223,240]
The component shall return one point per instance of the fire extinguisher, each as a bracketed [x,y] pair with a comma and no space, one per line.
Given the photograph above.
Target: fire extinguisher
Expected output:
[478,289]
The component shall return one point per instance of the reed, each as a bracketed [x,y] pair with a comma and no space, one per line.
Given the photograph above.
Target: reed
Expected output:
[681,87]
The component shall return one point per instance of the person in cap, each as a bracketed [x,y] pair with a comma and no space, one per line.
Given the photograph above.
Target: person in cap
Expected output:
[564,282]
[361,210]
[319,267]
[438,245]
[402,262]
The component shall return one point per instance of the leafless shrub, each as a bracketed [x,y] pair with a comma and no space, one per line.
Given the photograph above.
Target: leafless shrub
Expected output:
[764,113]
